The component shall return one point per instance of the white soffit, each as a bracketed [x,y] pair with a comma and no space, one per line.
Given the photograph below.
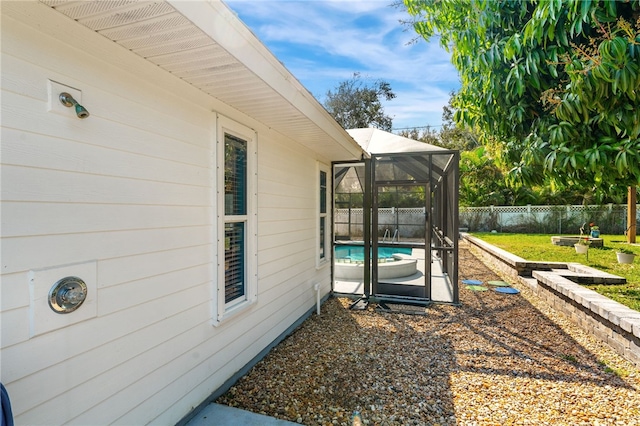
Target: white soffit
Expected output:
[206,45]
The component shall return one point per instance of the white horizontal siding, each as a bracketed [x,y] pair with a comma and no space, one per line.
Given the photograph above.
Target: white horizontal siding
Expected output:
[38,218]
[101,133]
[14,326]
[45,251]
[127,96]
[273,228]
[130,188]
[289,251]
[14,293]
[43,152]
[282,312]
[152,387]
[138,292]
[113,367]
[29,184]
[286,275]
[21,109]
[129,268]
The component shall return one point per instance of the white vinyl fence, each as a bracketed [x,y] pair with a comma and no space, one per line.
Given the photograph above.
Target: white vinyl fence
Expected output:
[402,223]
[409,222]
[611,218]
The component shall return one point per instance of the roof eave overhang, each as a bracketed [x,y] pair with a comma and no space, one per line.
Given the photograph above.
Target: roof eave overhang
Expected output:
[208,35]
[264,64]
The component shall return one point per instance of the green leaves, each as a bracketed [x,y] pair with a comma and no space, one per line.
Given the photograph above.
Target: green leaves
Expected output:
[585,6]
[558,78]
[356,103]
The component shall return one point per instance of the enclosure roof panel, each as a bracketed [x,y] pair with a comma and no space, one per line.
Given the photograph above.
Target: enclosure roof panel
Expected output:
[376,141]
[414,157]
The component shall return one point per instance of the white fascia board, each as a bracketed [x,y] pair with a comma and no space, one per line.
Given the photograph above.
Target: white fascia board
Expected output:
[220,23]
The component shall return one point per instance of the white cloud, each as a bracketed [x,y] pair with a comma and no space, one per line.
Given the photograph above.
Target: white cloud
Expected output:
[355,36]
[416,108]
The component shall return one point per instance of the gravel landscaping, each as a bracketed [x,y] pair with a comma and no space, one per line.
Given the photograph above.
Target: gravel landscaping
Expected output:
[497,359]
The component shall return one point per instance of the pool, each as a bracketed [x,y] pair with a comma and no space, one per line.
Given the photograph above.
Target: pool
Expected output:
[393,262]
[356,253]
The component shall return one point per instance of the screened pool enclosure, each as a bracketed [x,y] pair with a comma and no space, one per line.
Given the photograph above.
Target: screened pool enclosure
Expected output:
[395,223]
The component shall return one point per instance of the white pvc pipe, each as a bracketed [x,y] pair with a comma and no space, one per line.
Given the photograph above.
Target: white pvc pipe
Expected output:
[316,287]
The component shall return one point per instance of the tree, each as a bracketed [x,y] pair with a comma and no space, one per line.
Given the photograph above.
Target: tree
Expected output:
[481,182]
[357,104]
[454,135]
[426,135]
[557,82]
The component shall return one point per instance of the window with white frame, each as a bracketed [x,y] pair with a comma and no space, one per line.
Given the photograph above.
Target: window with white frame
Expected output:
[237,200]
[323,217]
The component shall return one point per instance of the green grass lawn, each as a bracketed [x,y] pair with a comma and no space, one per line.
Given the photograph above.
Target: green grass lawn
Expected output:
[539,247]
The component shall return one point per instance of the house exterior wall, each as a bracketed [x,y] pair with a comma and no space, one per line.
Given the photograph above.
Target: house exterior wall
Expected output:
[125,199]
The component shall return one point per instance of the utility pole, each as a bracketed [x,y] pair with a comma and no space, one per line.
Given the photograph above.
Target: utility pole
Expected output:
[631,214]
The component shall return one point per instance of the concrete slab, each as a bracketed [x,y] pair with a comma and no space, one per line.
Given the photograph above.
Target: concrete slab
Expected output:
[223,415]
[564,240]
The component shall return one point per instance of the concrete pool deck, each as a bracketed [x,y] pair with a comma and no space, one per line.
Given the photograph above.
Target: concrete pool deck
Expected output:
[441,286]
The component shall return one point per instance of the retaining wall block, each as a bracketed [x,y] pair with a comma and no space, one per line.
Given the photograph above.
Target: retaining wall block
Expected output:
[629,322]
[621,340]
[633,352]
[618,314]
[602,335]
[617,345]
[575,317]
[607,309]
[594,313]
[636,329]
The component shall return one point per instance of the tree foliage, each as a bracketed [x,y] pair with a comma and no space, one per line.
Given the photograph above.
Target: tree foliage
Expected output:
[356,103]
[426,135]
[457,136]
[483,181]
[557,83]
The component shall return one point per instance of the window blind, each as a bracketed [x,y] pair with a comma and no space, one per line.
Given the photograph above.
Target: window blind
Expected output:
[235,176]
[234,261]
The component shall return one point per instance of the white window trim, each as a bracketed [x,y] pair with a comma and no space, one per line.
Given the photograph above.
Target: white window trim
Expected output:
[223,311]
[320,263]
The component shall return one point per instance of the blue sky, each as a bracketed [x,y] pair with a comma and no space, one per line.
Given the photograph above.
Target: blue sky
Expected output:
[322,43]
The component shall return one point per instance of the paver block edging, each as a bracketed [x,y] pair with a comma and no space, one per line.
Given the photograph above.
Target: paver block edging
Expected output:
[613,323]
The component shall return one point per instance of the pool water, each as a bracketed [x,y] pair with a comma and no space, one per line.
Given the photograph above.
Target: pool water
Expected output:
[356,253]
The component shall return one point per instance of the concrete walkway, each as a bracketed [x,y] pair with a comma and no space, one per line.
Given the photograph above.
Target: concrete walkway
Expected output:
[222,415]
